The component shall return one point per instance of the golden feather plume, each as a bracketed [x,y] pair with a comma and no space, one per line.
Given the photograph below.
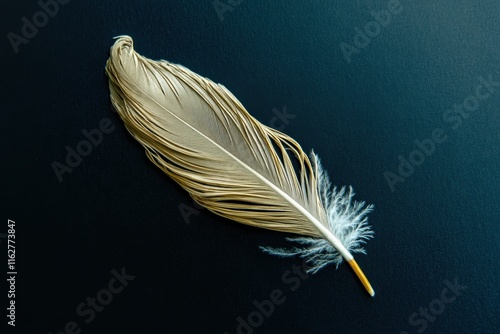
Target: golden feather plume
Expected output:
[199,134]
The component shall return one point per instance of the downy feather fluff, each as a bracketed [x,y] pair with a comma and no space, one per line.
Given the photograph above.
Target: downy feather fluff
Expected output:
[199,134]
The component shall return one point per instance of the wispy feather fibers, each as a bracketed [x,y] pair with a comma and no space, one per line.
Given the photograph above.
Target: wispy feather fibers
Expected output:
[199,134]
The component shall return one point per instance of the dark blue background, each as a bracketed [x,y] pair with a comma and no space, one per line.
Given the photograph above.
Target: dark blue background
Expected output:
[117,210]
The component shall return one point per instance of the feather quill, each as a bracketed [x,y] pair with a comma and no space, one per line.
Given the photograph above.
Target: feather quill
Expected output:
[200,135]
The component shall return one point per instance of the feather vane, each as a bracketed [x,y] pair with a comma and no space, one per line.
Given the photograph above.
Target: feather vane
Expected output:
[200,135]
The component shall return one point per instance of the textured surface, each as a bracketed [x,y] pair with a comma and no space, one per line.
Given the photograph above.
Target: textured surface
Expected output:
[284,61]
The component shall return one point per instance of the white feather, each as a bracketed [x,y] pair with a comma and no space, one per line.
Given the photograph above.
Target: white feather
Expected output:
[347,220]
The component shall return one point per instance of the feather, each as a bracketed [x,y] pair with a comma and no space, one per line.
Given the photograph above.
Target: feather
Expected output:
[200,135]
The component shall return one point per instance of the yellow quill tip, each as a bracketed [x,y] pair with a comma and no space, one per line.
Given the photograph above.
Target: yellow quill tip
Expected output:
[362,277]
